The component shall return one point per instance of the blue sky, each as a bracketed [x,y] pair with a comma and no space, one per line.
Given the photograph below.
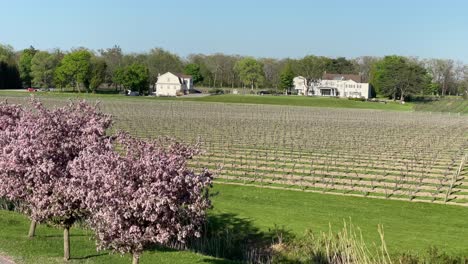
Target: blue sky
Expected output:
[262,28]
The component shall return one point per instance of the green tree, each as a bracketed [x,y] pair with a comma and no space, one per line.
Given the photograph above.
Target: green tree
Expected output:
[194,70]
[396,76]
[43,66]
[134,77]
[24,64]
[342,66]
[311,67]
[74,69]
[159,61]
[114,60]
[286,77]
[7,54]
[97,73]
[9,74]
[250,72]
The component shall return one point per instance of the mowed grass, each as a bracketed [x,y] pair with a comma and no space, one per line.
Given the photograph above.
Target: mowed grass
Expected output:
[409,226]
[47,246]
[302,101]
[453,105]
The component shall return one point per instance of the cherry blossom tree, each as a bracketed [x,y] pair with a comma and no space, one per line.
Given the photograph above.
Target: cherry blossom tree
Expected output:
[34,164]
[142,193]
[10,115]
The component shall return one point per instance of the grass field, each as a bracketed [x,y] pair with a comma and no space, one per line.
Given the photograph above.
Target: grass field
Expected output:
[409,227]
[47,246]
[303,101]
[447,105]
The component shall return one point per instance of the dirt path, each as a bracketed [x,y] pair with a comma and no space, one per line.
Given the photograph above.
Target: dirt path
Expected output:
[5,260]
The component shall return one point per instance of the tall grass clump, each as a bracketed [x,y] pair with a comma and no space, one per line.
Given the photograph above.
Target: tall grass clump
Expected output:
[344,247]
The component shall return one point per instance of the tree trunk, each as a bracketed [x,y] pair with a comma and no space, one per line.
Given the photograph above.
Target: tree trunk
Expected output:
[66,243]
[32,229]
[136,258]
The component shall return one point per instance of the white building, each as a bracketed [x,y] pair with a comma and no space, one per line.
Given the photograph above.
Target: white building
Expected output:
[170,84]
[300,85]
[341,85]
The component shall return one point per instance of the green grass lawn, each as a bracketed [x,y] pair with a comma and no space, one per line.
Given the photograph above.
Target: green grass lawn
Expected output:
[47,246]
[408,226]
[302,101]
[453,105]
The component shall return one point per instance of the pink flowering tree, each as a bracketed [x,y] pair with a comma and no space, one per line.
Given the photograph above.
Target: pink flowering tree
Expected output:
[35,158]
[142,193]
[10,115]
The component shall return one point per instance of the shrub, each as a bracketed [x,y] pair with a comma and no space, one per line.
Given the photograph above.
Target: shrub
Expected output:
[216,91]
[359,99]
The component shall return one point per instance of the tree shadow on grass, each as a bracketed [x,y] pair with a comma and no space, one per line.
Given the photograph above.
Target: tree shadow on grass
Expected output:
[91,256]
[228,236]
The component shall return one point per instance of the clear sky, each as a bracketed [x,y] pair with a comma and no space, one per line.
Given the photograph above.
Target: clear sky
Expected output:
[260,28]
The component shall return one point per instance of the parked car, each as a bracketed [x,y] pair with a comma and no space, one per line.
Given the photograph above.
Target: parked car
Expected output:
[262,92]
[30,89]
[132,93]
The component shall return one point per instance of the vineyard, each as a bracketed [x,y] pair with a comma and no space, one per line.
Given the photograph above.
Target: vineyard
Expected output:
[380,154]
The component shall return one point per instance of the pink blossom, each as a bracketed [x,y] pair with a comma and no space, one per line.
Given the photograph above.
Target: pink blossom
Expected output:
[37,144]
[142,193]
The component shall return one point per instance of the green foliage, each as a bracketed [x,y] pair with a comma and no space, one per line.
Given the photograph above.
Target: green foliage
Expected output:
[25,65]
[74,69]
[97,74]
[250,71]
[114,59]
[286,77]
[7,54]
[311,67]
[159,61]
[396,76]
[341,65]
[43,66]
[9,76]
[216,91]
[194,70]
[134,77]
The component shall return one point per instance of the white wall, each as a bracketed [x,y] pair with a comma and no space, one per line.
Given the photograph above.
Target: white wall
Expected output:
[168,84]
[347,88]
[300,84]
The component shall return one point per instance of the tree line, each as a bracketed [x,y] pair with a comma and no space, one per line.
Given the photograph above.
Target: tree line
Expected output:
[83,69]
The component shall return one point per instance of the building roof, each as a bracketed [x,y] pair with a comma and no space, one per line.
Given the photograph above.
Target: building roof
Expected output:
[336,76]
[185,76]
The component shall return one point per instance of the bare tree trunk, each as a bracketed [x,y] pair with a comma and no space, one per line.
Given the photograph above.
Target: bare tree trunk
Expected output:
[66,243]
[32,229]
[136,258]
